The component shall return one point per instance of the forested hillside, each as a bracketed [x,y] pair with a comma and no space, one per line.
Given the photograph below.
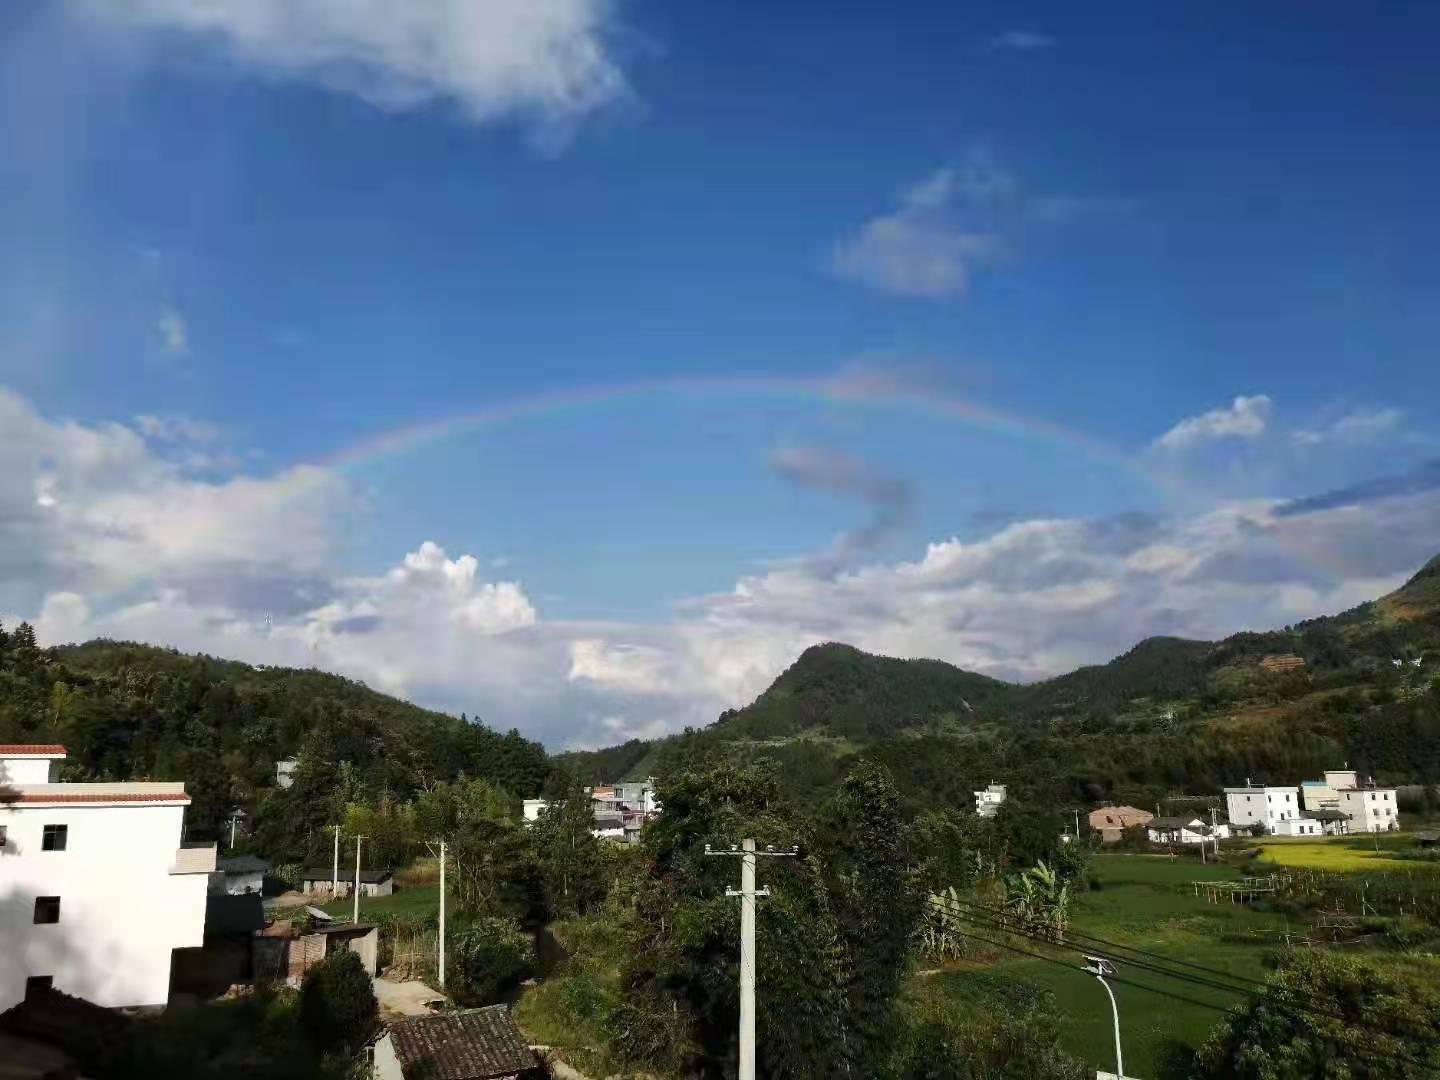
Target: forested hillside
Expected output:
[129,712]
[1170,715]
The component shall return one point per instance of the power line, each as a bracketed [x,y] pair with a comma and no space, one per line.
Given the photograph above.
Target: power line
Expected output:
[1397,1054]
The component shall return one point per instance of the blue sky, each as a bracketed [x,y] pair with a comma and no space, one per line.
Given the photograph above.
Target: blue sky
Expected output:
[243,239]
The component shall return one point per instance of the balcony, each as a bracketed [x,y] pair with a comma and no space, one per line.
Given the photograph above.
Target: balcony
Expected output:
[198,858]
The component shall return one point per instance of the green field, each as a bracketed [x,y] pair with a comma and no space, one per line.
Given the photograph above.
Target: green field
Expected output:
[1143,901]
[419,900]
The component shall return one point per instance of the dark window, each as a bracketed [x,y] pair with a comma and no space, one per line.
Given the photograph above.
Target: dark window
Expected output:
[54,837]
[47,909]
[38,984]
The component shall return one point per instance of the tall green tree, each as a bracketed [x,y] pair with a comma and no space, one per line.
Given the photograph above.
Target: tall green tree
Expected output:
[571,862]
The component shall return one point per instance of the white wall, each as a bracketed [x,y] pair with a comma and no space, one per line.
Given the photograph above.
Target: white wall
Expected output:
[25,770]
[239,884]
[387,1064]
[1370,810]
[121,910]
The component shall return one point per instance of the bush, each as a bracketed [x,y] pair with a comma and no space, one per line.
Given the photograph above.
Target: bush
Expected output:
[489,956]
[337,1003]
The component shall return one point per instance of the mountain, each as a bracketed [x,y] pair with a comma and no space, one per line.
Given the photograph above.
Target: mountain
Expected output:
[127,711]
[1167,714]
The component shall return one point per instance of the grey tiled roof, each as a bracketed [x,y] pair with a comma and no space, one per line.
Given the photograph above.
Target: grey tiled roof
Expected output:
[474,1044]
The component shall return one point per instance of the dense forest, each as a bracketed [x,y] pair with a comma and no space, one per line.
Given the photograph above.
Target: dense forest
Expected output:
[132,712]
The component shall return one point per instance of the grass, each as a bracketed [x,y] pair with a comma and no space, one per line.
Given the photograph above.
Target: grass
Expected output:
[421,900]
[1142,901]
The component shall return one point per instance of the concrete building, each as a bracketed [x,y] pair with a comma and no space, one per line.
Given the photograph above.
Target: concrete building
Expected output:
[98,887]
[318,881]
[1272,806]
[242,874]
[620,810]
[532,808]
[989,801]
[1112,821]
[469,1044]
[1177,830]
[286,949]
[1370,809]
[285,772]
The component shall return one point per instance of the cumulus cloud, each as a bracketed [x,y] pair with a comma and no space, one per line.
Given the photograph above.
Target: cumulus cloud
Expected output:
[1360,427]
[550,62]
[176,429]
[100,536]
[1245,418]
[944,229]
[1021,41]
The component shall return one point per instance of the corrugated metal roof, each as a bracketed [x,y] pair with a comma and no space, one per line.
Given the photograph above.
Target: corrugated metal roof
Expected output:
[475,1044]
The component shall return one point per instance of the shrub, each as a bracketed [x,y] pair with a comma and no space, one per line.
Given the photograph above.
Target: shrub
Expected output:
[337,1002]
[490,955]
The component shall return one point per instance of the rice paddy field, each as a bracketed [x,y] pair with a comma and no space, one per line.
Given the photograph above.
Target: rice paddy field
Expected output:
[1346,854]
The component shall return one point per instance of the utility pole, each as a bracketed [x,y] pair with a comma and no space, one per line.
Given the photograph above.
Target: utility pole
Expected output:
[1100,968]
[355,885]
[335,867]
[235,817]
[1215,833]
[748,894]
[442,915]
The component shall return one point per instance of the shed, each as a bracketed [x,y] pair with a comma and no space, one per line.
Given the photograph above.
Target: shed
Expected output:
[285,951]
[1178,830]
[244,874]
[470,1044]
[1112,821]
[318,880]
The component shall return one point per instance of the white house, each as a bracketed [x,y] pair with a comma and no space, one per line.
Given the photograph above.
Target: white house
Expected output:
[532,809]
[1177,830]
[1370,809]
[988,801]
[285,772]
[321,880]
[1274,807]
[96,887]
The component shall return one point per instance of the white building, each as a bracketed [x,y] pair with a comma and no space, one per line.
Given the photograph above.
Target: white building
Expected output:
[1178,830]
[988,801]
[1277,808]
[96,888]
[242,874]
[1370,809]
[285,772]
[532,809]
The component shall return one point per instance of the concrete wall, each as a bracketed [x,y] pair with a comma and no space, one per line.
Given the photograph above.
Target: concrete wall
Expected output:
[122,911]
[1370,810]
[25,770]
[240,884]
[387,1064]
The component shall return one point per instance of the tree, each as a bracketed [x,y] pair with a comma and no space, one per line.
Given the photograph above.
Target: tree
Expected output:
[1330,1017]
[491,955]
[571,861]
[337,1003]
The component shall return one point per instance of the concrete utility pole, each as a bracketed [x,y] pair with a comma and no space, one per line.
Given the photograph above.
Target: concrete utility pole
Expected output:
[748,894]
[335,866]
[1215,833]
[355,885]
[234,820]
[1100,968]
[442,915]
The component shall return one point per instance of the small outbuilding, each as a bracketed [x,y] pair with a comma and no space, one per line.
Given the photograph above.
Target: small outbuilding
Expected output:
[243,874]
[1112,821]
[317,881]
[470,1044]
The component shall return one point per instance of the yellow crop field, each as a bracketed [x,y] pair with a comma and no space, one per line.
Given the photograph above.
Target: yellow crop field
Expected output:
[1338,855]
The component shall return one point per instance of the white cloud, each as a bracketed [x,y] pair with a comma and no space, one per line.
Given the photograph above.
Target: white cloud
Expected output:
[946,227]
[1360,427]
[1021,41]
[549,62]
[128,545]
[173,332]
[1246,418]
[176,429]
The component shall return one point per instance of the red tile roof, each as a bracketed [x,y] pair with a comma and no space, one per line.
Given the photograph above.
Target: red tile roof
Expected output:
[37,749]
[101,797]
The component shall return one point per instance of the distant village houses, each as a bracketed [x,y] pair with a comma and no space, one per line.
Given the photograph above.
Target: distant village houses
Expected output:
[323,881]
[1112,821]
[620,810]
[1336,805]
[989,800]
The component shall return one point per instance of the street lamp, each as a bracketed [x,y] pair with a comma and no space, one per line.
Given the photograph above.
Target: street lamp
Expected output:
[1100,967]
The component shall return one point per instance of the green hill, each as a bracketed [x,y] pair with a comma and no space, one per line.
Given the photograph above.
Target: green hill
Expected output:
[1167,715]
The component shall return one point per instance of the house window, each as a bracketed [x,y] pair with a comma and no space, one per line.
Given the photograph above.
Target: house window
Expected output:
[47,909]
[2,836]
[38,984]
[53,837]
[1372,796]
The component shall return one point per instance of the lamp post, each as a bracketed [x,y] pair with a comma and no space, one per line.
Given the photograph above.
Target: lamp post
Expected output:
[1100,968]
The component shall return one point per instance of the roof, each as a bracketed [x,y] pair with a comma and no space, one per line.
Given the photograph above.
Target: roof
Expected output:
[1325,814]
[244,864]
[31,750]
[1122,816]
[367,877]
[71,1023]
[1176,823]
[94,794]
[472,1044]
[234,914]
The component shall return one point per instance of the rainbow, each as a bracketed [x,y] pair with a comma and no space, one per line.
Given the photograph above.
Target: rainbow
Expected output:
[846,391]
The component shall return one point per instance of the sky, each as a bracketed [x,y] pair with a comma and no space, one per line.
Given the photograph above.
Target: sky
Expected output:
[577,363]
